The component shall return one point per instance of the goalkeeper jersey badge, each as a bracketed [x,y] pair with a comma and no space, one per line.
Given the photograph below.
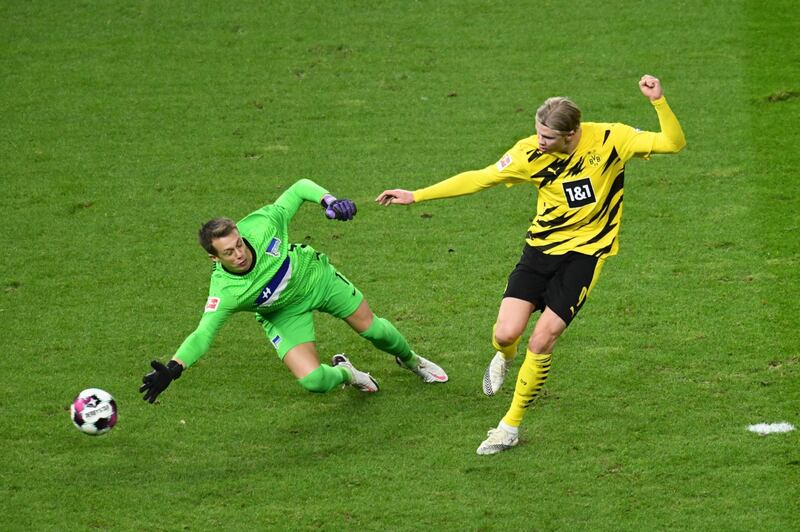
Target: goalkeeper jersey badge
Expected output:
[274,247]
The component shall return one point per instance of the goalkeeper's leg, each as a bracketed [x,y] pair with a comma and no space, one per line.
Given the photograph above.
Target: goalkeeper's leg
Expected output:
[303,361]
[385,336]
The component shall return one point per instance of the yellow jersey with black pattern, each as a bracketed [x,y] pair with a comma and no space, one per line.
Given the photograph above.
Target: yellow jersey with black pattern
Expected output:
[579,204]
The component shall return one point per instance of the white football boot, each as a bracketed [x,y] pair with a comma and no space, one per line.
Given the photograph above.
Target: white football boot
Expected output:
[497,441]
[361,380]
[495,374]
[425,369]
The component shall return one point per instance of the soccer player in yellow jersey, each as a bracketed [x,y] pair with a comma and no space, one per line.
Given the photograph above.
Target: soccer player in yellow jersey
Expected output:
[579,170]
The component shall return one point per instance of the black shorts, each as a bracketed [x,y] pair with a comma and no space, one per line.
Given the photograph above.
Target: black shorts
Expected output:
[561,282]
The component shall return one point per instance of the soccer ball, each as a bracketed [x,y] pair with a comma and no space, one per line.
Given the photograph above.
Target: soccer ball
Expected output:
[94,411]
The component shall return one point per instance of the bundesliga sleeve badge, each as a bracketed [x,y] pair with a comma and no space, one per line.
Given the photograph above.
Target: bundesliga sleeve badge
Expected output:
[504,161]
[212,304]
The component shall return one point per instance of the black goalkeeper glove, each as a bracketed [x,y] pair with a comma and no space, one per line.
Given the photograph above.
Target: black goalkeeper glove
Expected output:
[157,380]
[338,209]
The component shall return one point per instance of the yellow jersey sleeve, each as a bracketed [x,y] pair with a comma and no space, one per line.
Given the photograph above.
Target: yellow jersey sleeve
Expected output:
[669,140]
[511,167]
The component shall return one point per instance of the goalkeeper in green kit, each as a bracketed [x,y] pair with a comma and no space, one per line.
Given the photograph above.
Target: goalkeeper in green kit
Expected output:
[257,270]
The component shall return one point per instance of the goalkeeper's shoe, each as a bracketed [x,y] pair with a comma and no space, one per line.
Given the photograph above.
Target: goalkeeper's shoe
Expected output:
[425,369]
[361,380]
[495,374]
[497,441]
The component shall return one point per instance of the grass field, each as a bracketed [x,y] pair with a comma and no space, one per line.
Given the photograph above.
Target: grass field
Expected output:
[125,125]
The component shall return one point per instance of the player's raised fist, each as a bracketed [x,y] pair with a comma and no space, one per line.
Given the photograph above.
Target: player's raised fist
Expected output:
[651,87]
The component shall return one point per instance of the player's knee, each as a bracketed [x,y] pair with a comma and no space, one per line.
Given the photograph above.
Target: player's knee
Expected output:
[506,333]
[543,339]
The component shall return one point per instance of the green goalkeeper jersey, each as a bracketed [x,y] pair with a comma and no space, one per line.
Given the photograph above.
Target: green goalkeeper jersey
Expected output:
[280,274]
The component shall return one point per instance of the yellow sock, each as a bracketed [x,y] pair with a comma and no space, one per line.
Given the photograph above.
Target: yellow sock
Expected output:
[530,380]
[509,351]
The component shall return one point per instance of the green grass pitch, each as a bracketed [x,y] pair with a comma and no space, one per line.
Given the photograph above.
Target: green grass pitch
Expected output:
[126,124]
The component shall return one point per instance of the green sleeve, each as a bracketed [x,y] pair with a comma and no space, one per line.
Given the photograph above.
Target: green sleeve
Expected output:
[295,195]
[197,344]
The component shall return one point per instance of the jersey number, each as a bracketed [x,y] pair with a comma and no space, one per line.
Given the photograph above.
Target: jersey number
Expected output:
[579,193]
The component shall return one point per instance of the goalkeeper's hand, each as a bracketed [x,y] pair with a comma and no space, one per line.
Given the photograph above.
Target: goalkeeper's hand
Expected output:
[157,380]
[338,209]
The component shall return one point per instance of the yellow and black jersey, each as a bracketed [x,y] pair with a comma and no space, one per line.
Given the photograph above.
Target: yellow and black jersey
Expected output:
[579,204]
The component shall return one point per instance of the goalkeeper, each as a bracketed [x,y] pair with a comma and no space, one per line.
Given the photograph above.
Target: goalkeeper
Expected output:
[257,270]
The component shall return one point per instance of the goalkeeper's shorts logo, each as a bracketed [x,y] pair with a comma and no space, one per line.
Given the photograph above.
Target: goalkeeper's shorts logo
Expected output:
[276,341]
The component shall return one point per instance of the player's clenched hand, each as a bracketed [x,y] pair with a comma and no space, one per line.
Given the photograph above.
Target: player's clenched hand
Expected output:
[651,87]
[395,196]
[338,209]
[157,380]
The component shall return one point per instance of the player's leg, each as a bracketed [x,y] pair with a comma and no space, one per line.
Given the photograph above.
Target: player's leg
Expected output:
[379,331]
[512,319]
[530,379]
[535,368]
[303,361]
[567,291]
[524,292]
[293,337]
[385,336]
[345,301]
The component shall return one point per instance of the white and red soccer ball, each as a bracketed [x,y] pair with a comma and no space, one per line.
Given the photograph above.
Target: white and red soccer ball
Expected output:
[94,411]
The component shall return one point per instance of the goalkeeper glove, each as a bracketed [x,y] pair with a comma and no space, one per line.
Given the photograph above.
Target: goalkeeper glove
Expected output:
[157,380]
[338,209]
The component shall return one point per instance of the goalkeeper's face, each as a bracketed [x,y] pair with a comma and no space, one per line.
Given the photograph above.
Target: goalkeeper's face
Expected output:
[231,251]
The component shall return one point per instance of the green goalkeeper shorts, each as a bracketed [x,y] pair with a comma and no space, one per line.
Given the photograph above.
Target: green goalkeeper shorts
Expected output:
[293,325]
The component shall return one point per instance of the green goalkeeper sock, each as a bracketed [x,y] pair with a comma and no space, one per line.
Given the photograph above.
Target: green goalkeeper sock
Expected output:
[387,338]
[325,378]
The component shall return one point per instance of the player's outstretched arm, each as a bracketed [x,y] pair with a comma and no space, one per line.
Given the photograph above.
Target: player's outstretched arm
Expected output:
[157,380]
[395,196]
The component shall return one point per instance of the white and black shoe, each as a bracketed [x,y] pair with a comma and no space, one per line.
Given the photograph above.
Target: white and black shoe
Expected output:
[497,441]
[359,379]
[495,374]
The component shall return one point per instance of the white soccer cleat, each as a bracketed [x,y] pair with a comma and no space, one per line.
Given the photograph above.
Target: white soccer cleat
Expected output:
[495,374]
[425,369]
[361,380]
[497,441]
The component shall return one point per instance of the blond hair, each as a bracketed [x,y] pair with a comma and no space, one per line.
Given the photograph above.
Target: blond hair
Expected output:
[559,114]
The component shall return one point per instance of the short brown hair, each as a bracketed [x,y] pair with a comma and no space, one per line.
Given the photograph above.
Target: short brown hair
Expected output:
[559,114]
[216,228]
